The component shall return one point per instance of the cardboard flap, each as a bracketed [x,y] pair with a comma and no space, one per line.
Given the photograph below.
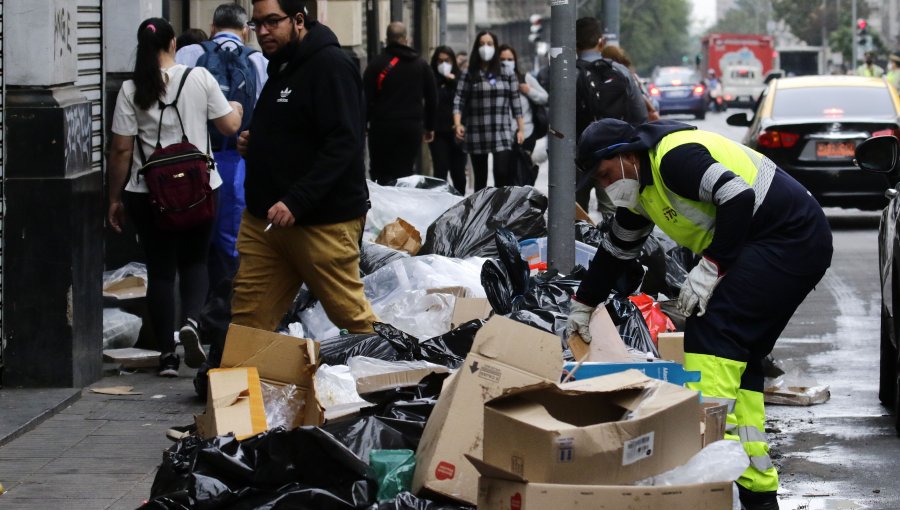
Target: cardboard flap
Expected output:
[227,386]
[487,470]
[613,382]
[520,345]
[274,355]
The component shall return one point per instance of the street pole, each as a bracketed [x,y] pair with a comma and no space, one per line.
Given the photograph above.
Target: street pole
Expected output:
[372,29]
[470,28]
[561,211]
[854,48]
[442,22]
[611,13]
[396,10]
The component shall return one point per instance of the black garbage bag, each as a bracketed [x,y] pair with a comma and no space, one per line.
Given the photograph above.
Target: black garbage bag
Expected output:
[423,182]
[631,325]
[590,234]
[546,320]
[449,349]
[467,229]
[407,501]
[497,286]
[304,299]
[511,258]
[337,350]
[264,471]
[374,256]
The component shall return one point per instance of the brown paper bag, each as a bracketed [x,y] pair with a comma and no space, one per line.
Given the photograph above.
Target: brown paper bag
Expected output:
[400,235]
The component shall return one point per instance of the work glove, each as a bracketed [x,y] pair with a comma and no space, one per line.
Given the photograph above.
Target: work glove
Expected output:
[579,320]
[698,287]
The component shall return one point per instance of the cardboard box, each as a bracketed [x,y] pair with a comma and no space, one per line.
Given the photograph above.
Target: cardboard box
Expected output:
[455,290]
[501,490]
[713,422]
[614,429]
[280,360]
[506,354]
[130,287]
[606,344]
[467,309]
[671,346]
[132,357]
[234,404]
[381,382]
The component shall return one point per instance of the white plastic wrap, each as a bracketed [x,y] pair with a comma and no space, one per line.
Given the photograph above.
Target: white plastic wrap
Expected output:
[129,269]
[362,366]
[295,329]
[281,404]
[335,386]
[120,329]
[419,207]
[397,293]
[722,461]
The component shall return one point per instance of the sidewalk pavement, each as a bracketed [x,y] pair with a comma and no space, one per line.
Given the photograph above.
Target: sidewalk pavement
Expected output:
[98,452]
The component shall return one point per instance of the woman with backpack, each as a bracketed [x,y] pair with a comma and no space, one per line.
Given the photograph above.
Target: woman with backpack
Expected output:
[485,96]
[175,239]
[446,155]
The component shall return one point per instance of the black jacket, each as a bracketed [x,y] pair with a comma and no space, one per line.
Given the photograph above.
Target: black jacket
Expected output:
[446,89]
[407,89]
[307,135]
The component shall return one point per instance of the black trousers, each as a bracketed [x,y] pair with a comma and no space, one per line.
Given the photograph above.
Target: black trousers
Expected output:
[169,253]
[501,169]
[393,149]
[448,158]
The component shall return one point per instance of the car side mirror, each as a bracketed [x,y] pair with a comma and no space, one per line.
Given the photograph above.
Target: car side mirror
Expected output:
[877,154]
[738,119]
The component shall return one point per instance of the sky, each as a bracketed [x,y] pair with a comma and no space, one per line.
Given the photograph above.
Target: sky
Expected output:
[702,14]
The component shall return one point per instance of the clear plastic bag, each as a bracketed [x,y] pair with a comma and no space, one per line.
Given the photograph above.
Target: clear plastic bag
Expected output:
[281,404]
[120,329]
[721,461]
[129,269]
[335,386]
[361,366]
[419,207]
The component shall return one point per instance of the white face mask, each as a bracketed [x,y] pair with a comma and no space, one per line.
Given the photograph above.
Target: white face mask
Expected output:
[508,65]
[625,191]
[444,68]
[486,52]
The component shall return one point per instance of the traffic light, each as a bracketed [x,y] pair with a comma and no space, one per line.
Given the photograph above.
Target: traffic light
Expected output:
[537,28]
[862,33]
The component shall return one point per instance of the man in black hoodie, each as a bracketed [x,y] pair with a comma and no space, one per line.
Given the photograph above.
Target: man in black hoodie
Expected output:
[401,96]
[305,187]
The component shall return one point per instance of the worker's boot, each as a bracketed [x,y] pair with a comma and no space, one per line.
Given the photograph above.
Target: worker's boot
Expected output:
[758,500]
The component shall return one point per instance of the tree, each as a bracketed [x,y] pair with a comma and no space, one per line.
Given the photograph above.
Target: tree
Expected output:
[806,18]
[746,17]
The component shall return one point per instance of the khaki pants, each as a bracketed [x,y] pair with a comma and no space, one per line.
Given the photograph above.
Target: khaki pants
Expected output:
[274,264]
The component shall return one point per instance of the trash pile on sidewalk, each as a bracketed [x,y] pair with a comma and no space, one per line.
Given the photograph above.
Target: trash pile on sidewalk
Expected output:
[468,393]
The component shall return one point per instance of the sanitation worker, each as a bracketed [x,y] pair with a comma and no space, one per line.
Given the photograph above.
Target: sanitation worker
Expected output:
[763,240]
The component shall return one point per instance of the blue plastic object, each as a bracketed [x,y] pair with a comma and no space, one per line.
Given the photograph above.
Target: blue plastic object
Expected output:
[668,371]
[535,252]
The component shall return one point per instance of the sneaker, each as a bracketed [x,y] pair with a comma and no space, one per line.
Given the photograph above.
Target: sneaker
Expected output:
[168,365]
[190,340]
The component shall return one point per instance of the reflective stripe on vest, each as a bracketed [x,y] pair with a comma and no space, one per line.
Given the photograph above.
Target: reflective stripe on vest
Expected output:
[691,223]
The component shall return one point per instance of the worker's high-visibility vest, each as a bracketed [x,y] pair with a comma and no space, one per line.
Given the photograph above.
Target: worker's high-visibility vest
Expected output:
[692,223]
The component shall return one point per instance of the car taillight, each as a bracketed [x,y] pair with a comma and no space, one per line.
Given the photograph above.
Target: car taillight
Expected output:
[698,90]
[654,91]
[887,132]
[777,139]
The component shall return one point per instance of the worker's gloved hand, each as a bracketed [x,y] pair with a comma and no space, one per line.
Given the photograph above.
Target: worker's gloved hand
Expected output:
[698,287]
[579,320]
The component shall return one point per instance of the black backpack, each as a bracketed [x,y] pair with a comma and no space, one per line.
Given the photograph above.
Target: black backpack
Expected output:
[601,92]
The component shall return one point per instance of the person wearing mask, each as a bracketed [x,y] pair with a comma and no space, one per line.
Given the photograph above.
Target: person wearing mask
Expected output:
[446,156]
[139,120]
[530,93]
[401,97]
[485,96]
[306,190]
[869,67]
[764,241]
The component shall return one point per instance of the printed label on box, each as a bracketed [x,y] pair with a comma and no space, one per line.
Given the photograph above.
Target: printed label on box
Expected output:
[638,448]
[490,373]
[517,465]
[445,471]
[565,448]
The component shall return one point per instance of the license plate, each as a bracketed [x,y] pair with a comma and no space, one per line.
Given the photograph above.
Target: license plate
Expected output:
[831,150]
[677,93]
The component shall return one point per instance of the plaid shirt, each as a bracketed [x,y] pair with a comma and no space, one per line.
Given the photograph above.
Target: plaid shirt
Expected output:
[485,102]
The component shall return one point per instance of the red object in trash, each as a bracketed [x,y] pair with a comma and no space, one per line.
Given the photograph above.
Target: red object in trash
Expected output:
[657,321]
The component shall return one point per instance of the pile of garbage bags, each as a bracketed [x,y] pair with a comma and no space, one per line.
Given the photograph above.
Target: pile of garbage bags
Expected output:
[362,461]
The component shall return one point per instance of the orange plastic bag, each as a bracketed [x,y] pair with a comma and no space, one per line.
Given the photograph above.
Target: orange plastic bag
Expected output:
[657,321]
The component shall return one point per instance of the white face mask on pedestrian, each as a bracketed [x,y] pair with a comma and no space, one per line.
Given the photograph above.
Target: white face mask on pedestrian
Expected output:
[625,191]
[444,68]
[486,52]
[508,65]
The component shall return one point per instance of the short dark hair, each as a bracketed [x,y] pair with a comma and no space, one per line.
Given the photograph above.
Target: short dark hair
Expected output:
[308,8]
[189,37]
[396,32]
[588,32]
[230,15]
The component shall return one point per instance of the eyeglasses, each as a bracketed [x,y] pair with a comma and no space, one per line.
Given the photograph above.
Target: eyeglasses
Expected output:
[271,23]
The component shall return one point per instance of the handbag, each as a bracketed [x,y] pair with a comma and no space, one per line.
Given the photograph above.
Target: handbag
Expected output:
[523,172]
[177,178]
[539,119]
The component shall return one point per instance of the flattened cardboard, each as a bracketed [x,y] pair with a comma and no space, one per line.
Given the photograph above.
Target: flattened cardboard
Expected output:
[280,359]
[467,309]
[797,395]
[456,290]
[582,215]
[130,287]
[606,344]
[671,346]
[381,382]
[234,404]
[501,490]
[506,354]
[631,425]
